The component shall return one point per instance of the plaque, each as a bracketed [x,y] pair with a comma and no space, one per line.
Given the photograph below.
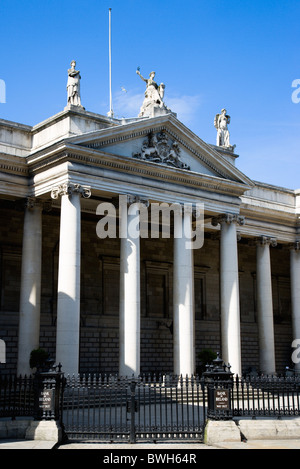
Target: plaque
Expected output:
[222,399]
[46,399]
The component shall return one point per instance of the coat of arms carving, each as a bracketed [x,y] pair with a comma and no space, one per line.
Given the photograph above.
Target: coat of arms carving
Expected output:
[158,149]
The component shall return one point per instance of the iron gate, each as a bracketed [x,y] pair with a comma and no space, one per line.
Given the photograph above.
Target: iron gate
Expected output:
[113,408]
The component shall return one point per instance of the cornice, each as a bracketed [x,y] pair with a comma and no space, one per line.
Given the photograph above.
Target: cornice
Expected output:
[270,212]
[96,159]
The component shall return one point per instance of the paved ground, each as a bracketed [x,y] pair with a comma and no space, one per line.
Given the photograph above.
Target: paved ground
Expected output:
[174,447]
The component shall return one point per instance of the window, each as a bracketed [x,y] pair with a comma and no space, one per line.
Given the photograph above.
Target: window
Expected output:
[11,262]
[157,289]
[200,297]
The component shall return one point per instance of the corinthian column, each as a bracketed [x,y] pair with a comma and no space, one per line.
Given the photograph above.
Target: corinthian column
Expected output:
[229,291]
[29,320]
[68,295]
[129,327]
[183,295]
[295,292]
[265,305]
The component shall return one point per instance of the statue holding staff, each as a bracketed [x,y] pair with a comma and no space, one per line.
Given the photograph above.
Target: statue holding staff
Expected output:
[153,95]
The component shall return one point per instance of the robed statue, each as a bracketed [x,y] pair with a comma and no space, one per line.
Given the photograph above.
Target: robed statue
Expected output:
[73,85]
[221,121]
[153,96]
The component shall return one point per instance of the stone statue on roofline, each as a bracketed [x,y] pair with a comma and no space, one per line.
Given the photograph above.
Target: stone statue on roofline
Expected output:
[153,104]
[73,86]
[221,122]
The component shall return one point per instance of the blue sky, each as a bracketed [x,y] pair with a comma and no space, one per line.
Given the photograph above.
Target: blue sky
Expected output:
[242,55]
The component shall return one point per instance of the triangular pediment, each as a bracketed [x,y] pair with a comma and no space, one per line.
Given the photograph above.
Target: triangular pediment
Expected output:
[163,142]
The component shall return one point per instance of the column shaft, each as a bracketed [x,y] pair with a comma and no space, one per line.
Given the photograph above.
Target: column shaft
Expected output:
[129,325]
[229,291]
[229,297]
[183,297]
[295,294]
[68,294]
[29,320]
[265,309]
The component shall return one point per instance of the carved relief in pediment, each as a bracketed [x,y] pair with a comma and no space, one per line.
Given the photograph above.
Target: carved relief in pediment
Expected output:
[159,149]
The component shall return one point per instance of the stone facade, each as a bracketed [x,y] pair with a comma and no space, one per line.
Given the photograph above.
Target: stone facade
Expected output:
[78,148]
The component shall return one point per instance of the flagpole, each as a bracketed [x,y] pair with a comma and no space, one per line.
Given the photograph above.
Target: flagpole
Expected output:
[110,113]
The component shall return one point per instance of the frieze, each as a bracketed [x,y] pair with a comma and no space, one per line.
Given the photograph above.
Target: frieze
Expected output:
[158,149]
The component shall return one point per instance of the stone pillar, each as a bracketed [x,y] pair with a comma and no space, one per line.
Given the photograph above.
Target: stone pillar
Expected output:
[295,292]
[30,293]
[183,296]
[129,325]
[229,291]
[68,295]
[265,305]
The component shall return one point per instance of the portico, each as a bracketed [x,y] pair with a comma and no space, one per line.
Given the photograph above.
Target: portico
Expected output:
[131,304]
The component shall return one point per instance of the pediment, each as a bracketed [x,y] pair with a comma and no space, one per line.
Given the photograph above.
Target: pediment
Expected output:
[163,142]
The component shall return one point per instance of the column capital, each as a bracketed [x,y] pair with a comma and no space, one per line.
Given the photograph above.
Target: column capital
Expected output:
[129,199]
[33,202]
[295,246]
[228,218]
[137,199]
[69,189]
[265,241]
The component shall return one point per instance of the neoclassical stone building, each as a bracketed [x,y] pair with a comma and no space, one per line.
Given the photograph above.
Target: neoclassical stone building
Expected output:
[141,304]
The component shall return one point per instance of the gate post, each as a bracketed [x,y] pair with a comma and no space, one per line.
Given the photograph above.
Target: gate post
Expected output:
[219,382]
[48,392]
[48,388]
[132,412]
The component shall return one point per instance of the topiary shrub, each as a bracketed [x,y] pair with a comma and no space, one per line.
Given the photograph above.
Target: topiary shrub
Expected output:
[38,358]
[205,357]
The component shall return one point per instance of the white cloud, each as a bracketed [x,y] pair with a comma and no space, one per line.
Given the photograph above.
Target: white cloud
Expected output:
[185,106]
[128,104]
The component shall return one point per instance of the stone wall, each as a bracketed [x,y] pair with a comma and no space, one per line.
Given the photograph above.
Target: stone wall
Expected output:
[100,296]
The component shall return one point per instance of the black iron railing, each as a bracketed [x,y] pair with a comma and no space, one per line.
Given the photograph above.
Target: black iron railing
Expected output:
[166,407]
[38,396]
[17,396]
[141,408]
[267,396]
